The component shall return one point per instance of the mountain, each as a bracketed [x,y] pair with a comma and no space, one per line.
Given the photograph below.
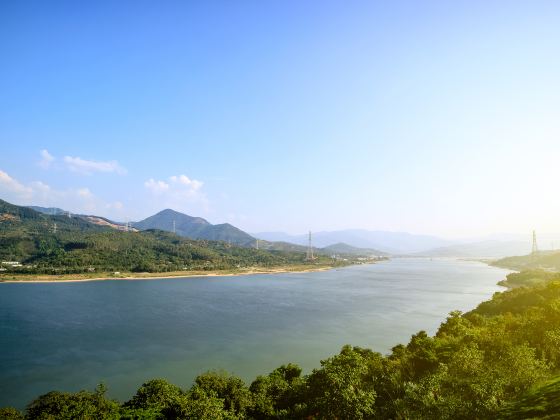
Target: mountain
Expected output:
[482,249]
[391,242]
[96,220]
[345,249]
[15,220]
[195,228]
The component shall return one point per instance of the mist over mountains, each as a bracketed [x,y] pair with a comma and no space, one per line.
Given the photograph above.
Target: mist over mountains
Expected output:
[403,243]
[350,241]
[391,242]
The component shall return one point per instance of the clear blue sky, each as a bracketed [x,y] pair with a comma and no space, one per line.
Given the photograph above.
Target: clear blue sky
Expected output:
[437,117]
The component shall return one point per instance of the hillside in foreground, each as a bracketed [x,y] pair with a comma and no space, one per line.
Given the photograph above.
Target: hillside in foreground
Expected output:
[498,361]
[540,402]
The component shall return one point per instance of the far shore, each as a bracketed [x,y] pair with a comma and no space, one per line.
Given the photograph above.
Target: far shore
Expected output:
[69,278]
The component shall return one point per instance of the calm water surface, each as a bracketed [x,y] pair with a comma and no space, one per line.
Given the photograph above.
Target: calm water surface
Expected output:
[71,336]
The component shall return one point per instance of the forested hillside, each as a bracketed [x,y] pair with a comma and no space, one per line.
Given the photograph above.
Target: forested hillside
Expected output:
[498,361]
[60,244]
[544,260]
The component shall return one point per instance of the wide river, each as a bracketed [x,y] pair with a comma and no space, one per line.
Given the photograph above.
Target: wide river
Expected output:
[71,336]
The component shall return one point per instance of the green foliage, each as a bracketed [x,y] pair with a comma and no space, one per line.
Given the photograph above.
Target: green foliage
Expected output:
[542,401]
[529,278]
[10,413]
[279,394]
[231,389]
[155,395]
[542,260]
[344,387]
[198,404]
[80,405]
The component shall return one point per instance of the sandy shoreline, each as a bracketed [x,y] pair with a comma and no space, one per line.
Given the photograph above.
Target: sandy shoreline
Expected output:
[168,275]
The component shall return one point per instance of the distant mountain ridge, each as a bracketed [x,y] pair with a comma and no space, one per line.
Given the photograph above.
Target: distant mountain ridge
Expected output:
[402,243]
[345,249]
[195,228]
[387,242]
[480,249]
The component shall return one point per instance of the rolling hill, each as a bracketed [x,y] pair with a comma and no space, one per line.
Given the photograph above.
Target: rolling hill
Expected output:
[195,228]
[542,260]
[345,249]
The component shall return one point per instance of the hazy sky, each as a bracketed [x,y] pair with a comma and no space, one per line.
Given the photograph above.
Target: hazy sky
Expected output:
[420,116]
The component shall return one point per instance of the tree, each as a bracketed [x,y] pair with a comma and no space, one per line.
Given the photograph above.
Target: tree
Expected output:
[9,413]
[344,386]
[231,389]
[79,405]
[157,394]
[280,394]
[198,404]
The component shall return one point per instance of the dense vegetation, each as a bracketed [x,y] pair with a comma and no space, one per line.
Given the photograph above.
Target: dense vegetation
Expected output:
[77,246]
[542,260]
[497,361]
[529,278]
[542,401]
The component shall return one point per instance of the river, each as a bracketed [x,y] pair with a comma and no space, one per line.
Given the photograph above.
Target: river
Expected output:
[72,336]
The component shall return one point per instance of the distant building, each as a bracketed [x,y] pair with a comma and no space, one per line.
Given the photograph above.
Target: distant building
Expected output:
[12,263]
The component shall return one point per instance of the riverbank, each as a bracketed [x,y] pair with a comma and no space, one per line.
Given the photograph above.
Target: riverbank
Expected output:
[49,278]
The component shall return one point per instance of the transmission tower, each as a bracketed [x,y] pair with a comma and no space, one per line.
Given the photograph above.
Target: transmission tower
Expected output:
[54,228]
[535,247]
[173,226]
[257,244]
[310,255]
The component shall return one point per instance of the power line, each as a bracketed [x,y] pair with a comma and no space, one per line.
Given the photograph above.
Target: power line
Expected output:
[310,256]
[535,247]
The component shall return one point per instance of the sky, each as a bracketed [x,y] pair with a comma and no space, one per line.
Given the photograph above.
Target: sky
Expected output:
[431,117]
